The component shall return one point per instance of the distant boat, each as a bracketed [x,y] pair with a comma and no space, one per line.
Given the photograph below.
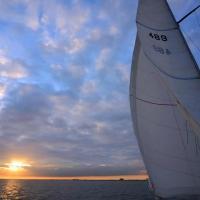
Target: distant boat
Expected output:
[165,101]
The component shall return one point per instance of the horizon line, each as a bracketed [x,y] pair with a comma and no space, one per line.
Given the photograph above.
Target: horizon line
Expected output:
[117,177]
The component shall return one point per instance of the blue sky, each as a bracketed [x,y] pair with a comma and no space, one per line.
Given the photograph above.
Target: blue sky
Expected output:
[64,81]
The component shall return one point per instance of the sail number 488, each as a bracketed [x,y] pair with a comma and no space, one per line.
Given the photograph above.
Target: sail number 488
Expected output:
[158,37]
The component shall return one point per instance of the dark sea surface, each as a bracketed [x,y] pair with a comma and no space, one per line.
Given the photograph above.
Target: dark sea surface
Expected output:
[74,190]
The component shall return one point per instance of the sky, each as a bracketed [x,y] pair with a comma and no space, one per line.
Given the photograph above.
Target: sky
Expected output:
[64,86]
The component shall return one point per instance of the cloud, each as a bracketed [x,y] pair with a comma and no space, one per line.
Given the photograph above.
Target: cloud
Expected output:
[55,129]
[68,21]
[113,30]
[103,58]
[11,68]
[64,83]
[124,72]
[75,46]
[89,87]
[2,90]
[32,20]
[21,12]
[65,88]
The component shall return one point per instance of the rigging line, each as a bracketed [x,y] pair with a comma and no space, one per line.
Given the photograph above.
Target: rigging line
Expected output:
[187,15]
[169,75]
[154,103]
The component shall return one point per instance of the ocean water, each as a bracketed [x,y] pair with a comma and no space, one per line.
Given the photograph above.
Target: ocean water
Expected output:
[74,190]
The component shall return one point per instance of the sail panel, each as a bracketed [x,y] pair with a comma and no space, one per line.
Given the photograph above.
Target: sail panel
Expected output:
[164,46]
[166,139]
[149,11]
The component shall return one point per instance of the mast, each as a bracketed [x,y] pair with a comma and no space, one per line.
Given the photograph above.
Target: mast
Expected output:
[165,102]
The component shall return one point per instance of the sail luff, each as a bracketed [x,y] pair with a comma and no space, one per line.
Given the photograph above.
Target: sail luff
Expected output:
[132,92]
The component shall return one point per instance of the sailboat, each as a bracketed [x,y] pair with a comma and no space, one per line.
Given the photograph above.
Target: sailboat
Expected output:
[165,101]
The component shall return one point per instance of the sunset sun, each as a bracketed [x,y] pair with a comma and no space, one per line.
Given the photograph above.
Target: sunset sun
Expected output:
[17,166]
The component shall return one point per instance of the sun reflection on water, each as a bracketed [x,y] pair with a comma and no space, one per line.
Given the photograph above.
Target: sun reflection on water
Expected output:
[12,189]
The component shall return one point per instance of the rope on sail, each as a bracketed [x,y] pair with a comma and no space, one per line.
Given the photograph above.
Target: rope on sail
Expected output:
[187,15]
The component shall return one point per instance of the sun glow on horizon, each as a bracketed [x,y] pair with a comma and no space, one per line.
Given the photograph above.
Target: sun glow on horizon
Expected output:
[15,166]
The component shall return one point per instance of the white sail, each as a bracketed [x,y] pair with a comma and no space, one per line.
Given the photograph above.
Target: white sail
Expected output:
[165,47]
[165,102]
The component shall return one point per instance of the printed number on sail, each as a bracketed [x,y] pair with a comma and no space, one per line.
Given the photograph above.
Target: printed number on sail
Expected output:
[158,37]
[161,50]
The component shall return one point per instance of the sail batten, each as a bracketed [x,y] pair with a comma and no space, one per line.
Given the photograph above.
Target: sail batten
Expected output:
[165,102]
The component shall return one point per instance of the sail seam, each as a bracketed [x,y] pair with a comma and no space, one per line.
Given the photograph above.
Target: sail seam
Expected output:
[167,74]
[169,29]
[155,103]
